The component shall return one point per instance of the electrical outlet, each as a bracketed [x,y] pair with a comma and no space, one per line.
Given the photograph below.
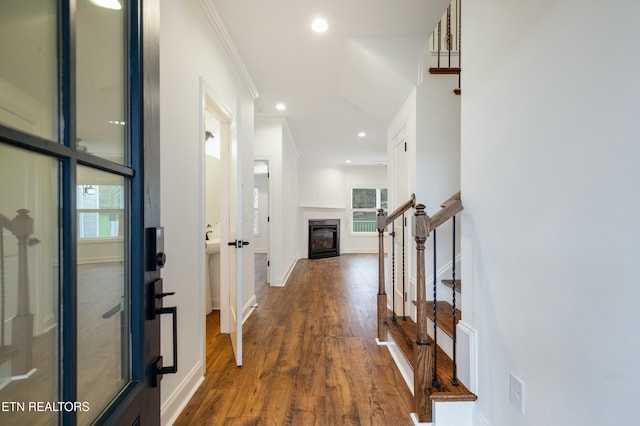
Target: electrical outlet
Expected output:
[516,392]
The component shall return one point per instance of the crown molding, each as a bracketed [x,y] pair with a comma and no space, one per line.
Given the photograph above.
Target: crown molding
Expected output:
[221,31]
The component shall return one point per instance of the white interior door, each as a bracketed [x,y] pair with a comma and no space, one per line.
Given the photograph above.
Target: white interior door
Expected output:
[235,234]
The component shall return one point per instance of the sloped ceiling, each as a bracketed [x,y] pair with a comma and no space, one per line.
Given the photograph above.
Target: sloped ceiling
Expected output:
[352,78]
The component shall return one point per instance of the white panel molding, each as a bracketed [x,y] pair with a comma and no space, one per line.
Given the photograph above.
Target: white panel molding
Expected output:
[230,48]
[468,349]
[179,399]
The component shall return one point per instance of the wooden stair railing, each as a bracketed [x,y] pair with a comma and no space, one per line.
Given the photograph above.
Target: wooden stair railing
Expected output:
[451,38]
[425,355]
[427,387]
[382,222]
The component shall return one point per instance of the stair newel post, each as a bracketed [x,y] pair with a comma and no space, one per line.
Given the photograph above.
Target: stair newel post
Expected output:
[454,380]
[422,349]
[22,324]
[382,296]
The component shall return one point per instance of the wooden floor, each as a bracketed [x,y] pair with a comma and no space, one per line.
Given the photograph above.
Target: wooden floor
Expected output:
[310,356]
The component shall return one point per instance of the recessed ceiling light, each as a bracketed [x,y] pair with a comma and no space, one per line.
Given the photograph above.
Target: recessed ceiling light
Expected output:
[281,107]
[319,25]
[348,161]
[108,4]
[362,134]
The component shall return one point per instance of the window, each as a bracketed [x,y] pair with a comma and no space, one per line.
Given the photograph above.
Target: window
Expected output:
[365,203]
[100,210]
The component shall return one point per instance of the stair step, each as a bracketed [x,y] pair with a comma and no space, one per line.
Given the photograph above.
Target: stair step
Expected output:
[448,70]
[449,283]
[445,316]
[403,333]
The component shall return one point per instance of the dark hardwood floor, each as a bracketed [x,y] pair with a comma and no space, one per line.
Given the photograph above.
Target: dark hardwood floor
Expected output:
[310,356]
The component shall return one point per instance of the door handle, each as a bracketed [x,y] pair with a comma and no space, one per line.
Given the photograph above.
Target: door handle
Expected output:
[157,369]
[155,295]
[238,243]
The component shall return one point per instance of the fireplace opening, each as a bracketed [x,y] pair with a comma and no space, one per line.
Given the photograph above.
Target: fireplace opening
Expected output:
[324,238]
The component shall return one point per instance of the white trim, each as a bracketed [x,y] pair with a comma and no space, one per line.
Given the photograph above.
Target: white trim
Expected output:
[179,399]
[221,31]
[398,357]
[281,282]
[248,308]
[465,330]
[414,419]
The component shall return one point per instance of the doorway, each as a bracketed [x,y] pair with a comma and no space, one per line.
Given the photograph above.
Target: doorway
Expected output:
[222,214]
[261,217]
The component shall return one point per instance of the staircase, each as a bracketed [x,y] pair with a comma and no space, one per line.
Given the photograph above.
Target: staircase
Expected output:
[425,352]
[446,44]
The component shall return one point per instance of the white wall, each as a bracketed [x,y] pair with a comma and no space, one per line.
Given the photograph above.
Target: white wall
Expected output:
[189,49]
[430,121]
[550,146]
[324,192]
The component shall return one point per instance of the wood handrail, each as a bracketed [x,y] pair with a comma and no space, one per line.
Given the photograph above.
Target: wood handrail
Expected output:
[411,202]
[5,222]
[451,207]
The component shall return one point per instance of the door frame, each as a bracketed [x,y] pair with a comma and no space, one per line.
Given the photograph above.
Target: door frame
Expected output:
[224,115]
[269,161]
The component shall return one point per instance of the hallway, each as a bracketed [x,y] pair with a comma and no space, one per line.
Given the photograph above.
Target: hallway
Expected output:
[310,356]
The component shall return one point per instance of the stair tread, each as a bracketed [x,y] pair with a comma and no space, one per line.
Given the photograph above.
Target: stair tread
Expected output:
[403,333]
[449,283]
[445,316]
[444,70]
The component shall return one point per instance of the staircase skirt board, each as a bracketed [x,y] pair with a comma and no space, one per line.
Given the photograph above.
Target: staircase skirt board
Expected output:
[400,331]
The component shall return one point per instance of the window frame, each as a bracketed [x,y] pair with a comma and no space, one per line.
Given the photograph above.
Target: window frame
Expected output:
[353,210]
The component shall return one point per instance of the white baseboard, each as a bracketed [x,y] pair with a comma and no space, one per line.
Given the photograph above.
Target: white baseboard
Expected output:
[179,399]
[215,304]
[281,282]
[248,308]
[416,421]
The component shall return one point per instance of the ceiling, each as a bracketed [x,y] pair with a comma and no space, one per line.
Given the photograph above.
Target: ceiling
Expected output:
[352,78]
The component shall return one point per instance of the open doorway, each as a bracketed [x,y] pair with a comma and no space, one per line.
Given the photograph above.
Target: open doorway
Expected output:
[261,220]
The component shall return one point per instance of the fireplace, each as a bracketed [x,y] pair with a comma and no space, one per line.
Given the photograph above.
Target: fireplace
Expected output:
[324,238]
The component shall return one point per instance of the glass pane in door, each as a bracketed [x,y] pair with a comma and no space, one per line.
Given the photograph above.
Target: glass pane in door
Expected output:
[103,298]
[29,281]
[28,66]
[100,78]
